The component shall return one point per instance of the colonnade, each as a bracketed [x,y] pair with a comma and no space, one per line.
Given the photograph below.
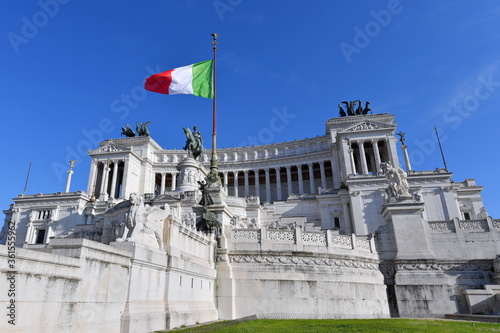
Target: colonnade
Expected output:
[107,178]
[279,182]
[366,155]
[165,178]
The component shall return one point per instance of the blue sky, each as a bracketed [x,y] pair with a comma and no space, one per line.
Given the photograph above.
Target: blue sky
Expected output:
[72,74]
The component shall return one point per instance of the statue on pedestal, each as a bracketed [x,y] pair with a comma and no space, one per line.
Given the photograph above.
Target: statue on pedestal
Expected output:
[398,184]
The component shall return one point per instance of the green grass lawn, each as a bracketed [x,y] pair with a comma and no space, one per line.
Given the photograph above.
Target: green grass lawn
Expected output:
[347,325]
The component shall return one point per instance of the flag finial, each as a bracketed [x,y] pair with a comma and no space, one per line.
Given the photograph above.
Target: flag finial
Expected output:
[214,43]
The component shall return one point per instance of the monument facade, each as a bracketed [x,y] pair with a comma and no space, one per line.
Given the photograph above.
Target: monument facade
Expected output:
[326,227]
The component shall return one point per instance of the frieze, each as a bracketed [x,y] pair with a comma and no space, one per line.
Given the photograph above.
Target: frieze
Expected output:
[364,183]
[307,261]
[108,149]
[48,201]
[190,196]
[433,180]
[189,220]
[363,127]
[445,267]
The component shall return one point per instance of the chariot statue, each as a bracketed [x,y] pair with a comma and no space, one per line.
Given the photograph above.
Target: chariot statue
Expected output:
[142,128]
[127,131]
[351,109]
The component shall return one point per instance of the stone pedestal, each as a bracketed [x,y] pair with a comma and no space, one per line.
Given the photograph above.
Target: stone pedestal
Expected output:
[191,171]
[145,306]
[226,301]
[410,233]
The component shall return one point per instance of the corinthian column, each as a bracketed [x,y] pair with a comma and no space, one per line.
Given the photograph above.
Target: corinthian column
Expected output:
[278,184]
[362,156]
[311,178]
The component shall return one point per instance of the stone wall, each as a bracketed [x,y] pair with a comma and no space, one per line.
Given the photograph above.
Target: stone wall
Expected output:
[83,290]
[295,274]
[84,286]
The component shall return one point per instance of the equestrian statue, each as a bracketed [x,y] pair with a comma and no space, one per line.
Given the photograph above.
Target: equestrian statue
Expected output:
[194,142]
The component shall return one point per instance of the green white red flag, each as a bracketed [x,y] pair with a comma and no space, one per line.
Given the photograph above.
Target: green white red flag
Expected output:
[195,79]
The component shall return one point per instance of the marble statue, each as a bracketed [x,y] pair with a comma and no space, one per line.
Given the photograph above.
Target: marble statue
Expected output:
[144,224]
[398,183]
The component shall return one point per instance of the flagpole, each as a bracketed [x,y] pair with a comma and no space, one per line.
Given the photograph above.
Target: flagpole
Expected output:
[214,174]
[440,148]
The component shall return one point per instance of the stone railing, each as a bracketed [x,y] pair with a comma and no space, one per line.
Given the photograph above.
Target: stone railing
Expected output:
[299,237]
[251,154]
[485,225]
[442,226]
[496,224]
[474,225]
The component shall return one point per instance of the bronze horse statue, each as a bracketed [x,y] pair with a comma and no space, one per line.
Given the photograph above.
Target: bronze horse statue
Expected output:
[193,144]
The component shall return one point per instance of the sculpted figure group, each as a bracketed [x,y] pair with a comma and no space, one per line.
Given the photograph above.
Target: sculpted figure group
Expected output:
[398,184]
[141,128]
[352,110]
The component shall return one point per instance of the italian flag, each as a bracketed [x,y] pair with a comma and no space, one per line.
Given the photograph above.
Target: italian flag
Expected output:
[195,79]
